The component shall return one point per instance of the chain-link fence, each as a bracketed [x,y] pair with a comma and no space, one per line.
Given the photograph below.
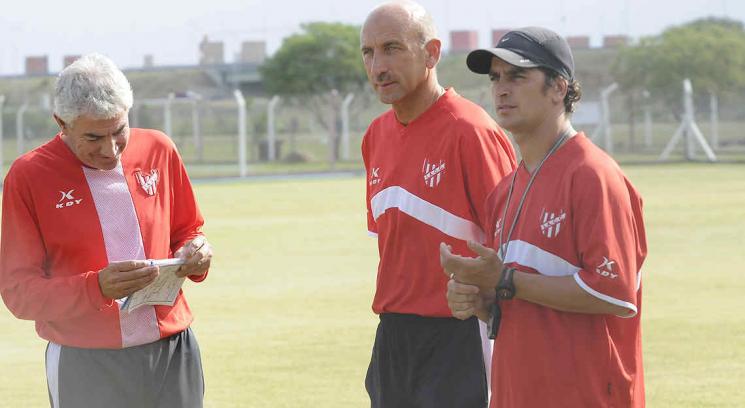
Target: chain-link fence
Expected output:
[324,132]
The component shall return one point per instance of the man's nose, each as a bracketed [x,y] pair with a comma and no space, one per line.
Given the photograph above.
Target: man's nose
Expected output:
[110,148]
[378,66]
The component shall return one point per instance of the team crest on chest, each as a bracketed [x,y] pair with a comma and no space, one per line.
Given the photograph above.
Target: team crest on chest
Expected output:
[148,182]
[498,227]
[433,172]
[551,222]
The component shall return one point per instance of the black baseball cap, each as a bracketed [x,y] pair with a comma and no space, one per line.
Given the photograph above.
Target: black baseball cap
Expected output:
[527,47]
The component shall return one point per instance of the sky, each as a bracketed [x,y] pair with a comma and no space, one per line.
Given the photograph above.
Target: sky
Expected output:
[171,30]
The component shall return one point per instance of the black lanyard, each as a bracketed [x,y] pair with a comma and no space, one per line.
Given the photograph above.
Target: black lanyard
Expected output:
[496,311]
[564,135]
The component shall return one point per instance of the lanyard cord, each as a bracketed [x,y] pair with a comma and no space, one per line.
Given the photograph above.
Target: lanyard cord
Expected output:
[565,134]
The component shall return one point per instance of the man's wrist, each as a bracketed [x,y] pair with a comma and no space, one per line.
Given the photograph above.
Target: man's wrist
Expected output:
[506,286]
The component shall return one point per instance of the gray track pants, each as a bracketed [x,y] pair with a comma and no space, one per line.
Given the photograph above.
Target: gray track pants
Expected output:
[163,374]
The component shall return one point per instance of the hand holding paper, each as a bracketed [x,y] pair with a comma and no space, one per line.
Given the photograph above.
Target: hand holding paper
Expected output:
[163,290]
[120,279]
[197,254]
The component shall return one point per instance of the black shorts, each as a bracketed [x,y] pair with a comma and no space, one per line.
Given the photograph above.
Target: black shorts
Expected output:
[163,374]
[427,362]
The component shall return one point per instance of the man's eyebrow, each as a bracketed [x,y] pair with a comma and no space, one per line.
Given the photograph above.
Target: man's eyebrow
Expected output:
[516,70]
[100,136]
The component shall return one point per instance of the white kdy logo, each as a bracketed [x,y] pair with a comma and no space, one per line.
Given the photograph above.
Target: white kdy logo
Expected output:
[551,223]
[67,199]
[432,172]
[148,182]
[606,268]
[374,176]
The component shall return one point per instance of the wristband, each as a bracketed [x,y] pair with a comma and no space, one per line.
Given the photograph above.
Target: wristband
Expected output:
[506,286]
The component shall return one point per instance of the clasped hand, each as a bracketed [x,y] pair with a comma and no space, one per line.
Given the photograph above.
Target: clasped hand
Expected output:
[472,280]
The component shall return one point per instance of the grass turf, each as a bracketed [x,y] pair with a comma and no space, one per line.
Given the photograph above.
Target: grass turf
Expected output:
[284,319]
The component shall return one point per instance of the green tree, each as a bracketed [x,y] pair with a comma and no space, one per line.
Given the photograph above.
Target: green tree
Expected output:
[323,57]
[710,52]
[318,67]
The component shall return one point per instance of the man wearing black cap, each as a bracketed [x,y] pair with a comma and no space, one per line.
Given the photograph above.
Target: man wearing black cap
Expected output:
[559,281]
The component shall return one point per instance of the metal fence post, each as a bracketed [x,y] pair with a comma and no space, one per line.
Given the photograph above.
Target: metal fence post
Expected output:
[271,154]
[241,101]
[689,129]
[345,126]
[647,119]
[196,129]
[19,128]
[167,118]
[714,112]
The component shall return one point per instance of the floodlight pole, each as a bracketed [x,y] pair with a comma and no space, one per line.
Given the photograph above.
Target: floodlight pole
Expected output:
[345,126]
[241,101]
[19,128]
[604,127]
[271,154]
[714,112]
[167,118]
[2,107]
[689,128]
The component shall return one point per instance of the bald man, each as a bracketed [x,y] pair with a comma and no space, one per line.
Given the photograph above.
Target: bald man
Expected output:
[431,161]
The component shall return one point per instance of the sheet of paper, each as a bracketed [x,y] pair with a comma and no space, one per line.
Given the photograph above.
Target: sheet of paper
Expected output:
[162,291]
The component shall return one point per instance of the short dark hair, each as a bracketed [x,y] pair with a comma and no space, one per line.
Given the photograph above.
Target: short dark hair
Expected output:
[574,89]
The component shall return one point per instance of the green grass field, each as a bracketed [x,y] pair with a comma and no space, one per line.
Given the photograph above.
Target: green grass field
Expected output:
[284,319]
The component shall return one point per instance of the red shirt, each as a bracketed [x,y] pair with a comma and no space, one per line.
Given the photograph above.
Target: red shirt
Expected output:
[582,218]
[426,184]
[62,222]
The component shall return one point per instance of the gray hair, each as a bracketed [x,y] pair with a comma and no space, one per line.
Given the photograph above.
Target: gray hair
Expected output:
[93,86]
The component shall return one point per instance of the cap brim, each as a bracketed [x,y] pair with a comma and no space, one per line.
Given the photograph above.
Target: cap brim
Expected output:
[479,61]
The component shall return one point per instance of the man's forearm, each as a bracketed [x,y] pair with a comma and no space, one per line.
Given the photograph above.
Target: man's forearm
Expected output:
[561,293]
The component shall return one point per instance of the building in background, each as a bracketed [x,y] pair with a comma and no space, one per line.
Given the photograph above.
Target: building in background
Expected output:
[211,52]
[463,41]
[148,61]
[37,65]
[615,41]
[497,34]
[252,52]
[67,60]
[579,42]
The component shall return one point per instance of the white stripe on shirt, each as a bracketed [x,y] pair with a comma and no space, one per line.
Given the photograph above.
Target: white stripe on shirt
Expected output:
[548,264]
[426,212]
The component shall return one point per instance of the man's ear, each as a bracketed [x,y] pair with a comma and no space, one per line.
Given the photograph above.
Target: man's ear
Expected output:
[561,87]
[433,49]
[59,121]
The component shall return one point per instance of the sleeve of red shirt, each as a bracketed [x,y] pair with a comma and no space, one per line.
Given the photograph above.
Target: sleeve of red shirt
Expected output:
[372,226]
[487,157]
[610,236]
[26,290]
[186,219]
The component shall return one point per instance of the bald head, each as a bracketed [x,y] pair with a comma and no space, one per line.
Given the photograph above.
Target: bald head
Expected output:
[400,52]
[411,17]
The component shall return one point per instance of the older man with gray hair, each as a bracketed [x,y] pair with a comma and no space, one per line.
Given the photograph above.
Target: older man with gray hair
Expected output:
[81,217]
